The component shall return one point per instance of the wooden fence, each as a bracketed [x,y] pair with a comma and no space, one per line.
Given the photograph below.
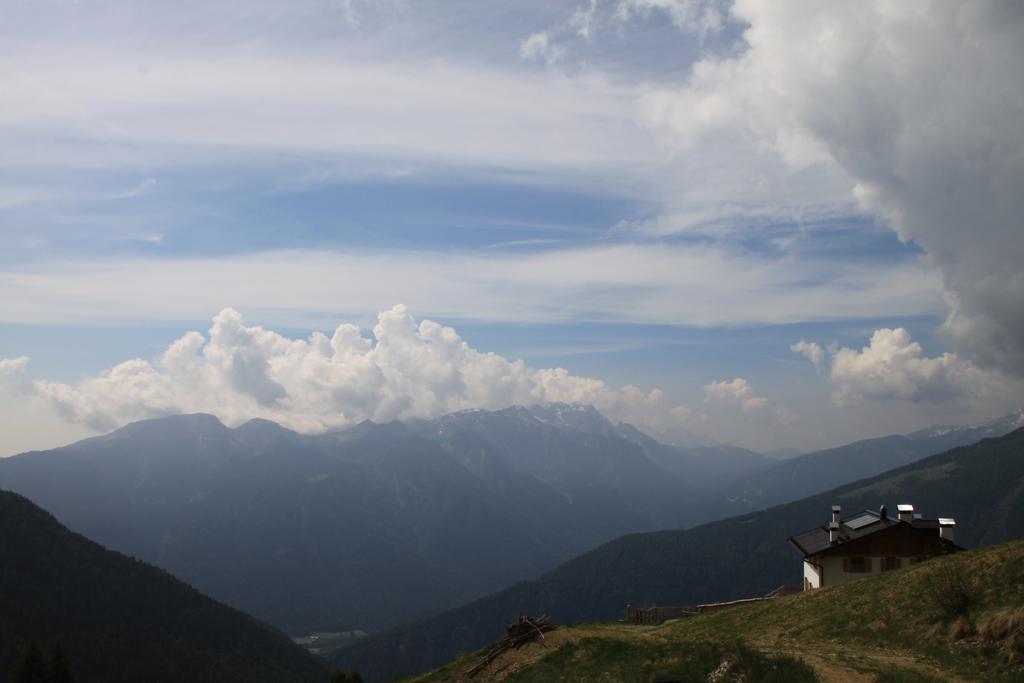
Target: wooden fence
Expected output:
[657,615]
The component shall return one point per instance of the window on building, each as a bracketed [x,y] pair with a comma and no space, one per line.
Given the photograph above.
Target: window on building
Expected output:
[890,563]
[856,565]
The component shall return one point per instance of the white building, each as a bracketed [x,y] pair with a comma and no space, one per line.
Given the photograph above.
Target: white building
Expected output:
[870,543]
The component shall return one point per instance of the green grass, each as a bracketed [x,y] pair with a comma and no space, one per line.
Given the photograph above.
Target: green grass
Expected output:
[899,627]
[905,612]
[617,661]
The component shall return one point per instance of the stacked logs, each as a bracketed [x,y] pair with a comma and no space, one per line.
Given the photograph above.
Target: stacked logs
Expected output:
[518,633]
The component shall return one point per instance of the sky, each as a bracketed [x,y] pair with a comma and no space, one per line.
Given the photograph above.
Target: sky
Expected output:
[771,224]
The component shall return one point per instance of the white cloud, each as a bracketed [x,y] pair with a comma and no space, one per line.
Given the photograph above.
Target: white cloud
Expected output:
[187,109]
[812,351]
[693,16]
[583,19]
[590,17]
[538,46]
[738,392]
[652,283]
[406,370]
[894,367]
[11,367]
[919,103]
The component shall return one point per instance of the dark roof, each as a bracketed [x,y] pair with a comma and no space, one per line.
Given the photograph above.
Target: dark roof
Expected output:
[859,525]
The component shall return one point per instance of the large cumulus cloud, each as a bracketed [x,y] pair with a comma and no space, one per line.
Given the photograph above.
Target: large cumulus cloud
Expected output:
[407,369]
[921,104]
[895,367]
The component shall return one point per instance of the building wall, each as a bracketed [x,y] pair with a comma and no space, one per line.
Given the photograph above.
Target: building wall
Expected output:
[812,577]
[834,574]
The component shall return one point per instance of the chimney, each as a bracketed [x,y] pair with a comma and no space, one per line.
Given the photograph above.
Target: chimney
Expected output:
[833,532]
[906,511]
[835,514]
[883,513]
[947,525]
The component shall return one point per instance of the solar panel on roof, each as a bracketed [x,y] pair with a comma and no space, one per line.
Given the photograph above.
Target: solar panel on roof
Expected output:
[861,521]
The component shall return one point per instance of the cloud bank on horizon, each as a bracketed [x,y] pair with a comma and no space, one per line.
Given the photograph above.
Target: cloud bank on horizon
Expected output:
[424,370]
[406,370]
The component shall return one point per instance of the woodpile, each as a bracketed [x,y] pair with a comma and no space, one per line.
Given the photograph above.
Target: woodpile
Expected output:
[518,633]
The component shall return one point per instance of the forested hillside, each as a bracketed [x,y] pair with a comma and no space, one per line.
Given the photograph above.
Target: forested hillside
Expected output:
[822,470]
[119,619]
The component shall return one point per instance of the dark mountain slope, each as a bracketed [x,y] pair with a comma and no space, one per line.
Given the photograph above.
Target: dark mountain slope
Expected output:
[822,470]
[982,485]
[119,619]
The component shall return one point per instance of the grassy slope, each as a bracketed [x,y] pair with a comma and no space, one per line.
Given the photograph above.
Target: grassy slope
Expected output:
[884,628]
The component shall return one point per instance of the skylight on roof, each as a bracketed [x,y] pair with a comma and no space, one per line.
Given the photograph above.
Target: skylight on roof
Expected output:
[861,521]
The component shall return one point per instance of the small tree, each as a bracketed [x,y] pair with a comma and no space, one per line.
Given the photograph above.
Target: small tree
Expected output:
[952,591]
[60,667]
[30,667]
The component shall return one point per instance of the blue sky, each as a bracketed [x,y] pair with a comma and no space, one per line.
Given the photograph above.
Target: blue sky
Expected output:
[659,194]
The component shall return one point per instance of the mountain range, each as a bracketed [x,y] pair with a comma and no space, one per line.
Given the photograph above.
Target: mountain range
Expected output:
[341,531]
[981,485]
[822,470]
[344,530]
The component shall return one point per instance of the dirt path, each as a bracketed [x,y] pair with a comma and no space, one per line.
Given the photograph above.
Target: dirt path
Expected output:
[830,671]
[840,667]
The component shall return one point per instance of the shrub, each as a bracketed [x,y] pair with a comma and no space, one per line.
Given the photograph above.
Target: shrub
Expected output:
[30,667]
[962,628]
[999,626]
[1015,650]
[951,591]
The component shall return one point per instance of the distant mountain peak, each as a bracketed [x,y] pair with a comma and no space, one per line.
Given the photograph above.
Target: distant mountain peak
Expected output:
[258,422]
[200,423]
[262,428]
[580,416]
[368,428]
[994,427]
